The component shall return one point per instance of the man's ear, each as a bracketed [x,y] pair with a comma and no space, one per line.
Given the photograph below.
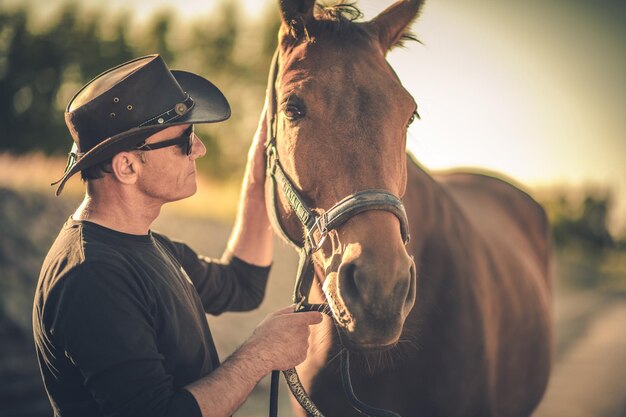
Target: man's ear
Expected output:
[126,167]
[393,23]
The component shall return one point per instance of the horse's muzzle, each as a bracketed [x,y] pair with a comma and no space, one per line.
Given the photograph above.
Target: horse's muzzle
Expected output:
[370,303]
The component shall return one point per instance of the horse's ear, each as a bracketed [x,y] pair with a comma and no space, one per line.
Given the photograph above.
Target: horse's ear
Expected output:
[296,14]
[392,24]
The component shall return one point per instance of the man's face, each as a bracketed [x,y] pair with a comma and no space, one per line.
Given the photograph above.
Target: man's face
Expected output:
[168,174]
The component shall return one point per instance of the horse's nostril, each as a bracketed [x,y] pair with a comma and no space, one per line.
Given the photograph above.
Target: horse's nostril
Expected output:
[410,295]
[347,282]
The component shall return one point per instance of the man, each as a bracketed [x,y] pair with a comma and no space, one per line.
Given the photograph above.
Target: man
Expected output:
[119,310]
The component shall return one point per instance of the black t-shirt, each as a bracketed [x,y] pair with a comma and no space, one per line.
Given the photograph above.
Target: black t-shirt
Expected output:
[119,320]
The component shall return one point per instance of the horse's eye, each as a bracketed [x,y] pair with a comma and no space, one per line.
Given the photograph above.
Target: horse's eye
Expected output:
[294,112]
[294,107]
[414,116]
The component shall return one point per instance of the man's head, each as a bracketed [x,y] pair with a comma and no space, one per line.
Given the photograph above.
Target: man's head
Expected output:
[120,113]
[160,169]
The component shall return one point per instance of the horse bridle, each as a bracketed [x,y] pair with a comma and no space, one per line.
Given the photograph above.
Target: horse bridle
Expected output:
[316,228]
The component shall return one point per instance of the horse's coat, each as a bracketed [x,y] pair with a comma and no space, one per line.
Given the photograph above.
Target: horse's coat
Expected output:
[466,304]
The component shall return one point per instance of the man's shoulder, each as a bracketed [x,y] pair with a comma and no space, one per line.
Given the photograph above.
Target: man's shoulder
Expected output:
[77,253]
[67,251]
[176,247]
[161,237]
[76,244]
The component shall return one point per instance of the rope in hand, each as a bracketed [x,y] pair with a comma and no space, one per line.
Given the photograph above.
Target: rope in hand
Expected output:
[300,394]
[293,381]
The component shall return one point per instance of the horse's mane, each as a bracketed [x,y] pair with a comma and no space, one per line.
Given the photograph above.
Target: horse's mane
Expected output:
[341,19]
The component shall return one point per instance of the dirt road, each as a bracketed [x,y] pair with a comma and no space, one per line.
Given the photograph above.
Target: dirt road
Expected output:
[589,377]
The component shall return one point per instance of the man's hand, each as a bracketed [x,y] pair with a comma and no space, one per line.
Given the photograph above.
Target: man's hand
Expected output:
[281,340]
[255,170]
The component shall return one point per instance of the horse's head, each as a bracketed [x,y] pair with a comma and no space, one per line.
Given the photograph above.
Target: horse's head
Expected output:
[341,120]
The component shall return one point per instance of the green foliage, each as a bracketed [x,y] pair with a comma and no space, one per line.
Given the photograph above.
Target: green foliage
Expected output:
[589,256]
[28,225]
[219,40]
[40,70]
[158,31]
[585,223]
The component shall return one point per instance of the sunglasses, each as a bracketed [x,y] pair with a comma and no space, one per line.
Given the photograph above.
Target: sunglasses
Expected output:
[185,141]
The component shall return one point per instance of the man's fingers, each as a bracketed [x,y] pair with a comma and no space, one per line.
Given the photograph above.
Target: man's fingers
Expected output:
[311,317]
[308,317]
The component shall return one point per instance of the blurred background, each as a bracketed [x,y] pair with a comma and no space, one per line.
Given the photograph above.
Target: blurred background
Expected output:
[533,90]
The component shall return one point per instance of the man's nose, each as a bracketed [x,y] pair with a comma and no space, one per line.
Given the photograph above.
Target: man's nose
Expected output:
[198,150]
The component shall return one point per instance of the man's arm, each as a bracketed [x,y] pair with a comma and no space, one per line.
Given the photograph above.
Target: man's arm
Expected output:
[279,342]
[251,237]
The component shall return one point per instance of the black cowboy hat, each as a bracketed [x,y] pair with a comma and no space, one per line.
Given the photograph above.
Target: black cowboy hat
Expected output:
[123,106]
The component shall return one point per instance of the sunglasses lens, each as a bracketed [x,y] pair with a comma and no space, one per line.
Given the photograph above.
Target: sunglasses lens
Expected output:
[190,142]
[187,145]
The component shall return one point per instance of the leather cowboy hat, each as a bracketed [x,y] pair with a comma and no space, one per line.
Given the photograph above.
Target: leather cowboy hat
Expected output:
[123,106]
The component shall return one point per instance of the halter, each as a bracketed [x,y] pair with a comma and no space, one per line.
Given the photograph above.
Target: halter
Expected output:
[316,228]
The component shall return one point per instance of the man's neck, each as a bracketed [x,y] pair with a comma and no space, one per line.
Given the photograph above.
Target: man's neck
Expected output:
[118,212]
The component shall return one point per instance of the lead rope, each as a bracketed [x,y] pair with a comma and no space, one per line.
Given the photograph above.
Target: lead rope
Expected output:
[300,394]
[357,404]
[293,380]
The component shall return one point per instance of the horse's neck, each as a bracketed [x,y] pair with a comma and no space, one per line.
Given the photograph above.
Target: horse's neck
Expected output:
[440,235]
[433,214]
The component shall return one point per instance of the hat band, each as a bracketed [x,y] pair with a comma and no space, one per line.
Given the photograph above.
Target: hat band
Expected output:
[179,109]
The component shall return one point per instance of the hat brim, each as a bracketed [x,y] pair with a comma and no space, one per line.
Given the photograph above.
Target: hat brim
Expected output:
[209,106]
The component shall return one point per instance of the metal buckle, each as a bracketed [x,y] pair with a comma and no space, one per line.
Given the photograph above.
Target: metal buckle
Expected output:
[300,304]
[320,225]
[272,157]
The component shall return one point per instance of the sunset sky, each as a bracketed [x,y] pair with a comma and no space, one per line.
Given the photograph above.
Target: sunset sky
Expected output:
[534,89]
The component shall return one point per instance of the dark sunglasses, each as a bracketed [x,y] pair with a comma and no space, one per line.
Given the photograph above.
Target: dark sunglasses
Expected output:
[185,141]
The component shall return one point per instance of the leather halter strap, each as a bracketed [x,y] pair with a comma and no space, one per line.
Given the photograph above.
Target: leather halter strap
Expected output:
[317,226]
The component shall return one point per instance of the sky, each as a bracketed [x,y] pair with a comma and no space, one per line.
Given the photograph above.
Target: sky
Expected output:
[535,90]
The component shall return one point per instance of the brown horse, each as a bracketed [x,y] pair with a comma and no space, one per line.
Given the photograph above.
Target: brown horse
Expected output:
[456,323]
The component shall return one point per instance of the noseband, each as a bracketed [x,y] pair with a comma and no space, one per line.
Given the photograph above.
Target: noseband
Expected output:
[315,229]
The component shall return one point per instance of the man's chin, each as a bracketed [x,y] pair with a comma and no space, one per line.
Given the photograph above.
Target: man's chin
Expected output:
[188,192]
[191,192]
